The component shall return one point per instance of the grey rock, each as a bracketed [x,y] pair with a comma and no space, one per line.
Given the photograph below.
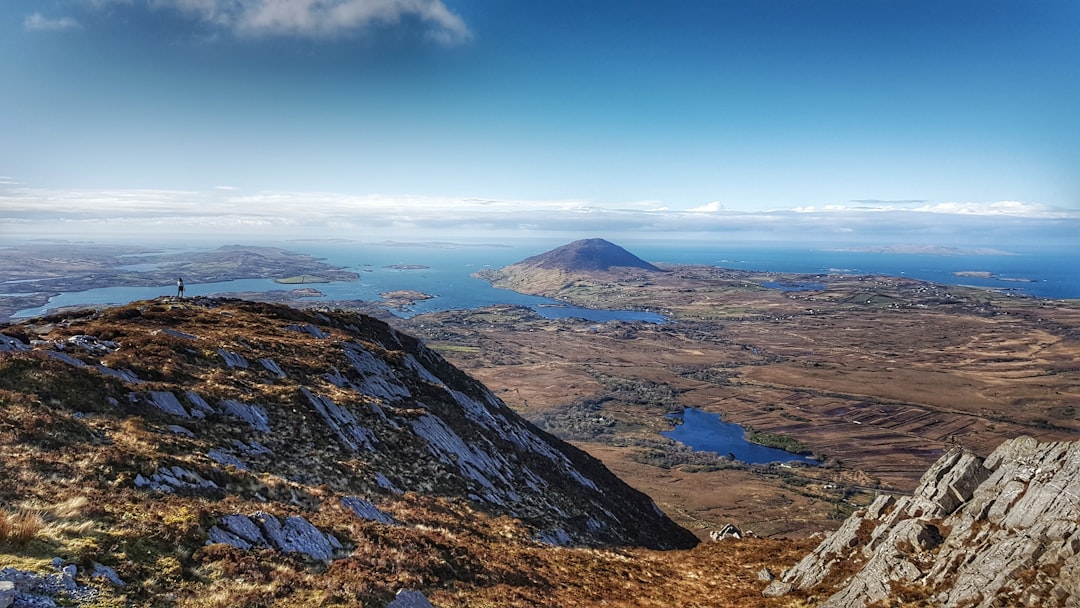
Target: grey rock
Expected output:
[386,484]
[410,599]
[365,510]
[199,407]
[778,588]
[31,589]
[103,571]
[124,375]
[765,575]
[217,535]
[224,458]
[174,333]
[271,366]
[294,535]
[7,593]
[729,531]
[243,527]
[310,330]
[232,359]
[253,449]
[9,344]
[168,403]
[254,415]
[175,479]
[556,538]
[342,421]
[90,344]
[66,358]
[982,533]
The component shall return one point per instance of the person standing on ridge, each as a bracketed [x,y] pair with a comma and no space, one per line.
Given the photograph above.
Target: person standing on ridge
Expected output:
[180,287]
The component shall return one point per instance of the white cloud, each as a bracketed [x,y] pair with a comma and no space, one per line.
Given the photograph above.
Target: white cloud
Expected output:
[713,207]
[321,18]
[267,215]
[1009,208]
[1017,209]
[38,23]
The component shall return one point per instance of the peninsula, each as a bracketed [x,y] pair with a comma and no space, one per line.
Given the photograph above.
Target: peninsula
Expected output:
[33,272]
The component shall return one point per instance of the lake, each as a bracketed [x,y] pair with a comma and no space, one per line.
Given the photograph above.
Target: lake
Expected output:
[707,432]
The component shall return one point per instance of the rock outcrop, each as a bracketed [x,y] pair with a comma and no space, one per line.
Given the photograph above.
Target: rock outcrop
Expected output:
[999,531]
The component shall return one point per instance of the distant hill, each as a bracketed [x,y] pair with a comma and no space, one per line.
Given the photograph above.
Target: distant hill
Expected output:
[551,272]
[586,255]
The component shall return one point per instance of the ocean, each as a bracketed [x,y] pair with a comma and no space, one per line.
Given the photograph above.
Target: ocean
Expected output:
[1045,274]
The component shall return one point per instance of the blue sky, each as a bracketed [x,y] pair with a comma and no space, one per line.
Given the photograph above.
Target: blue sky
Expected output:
[925,121]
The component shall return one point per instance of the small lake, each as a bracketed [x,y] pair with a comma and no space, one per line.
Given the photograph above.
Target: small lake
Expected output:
[706,432]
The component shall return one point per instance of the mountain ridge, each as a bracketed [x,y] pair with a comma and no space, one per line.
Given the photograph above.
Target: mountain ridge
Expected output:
[354,377]
[243,427]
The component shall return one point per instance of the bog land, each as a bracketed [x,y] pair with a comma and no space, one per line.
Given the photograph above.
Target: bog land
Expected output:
[876,375]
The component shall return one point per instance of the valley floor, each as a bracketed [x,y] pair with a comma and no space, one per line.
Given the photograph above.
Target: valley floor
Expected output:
[877,376]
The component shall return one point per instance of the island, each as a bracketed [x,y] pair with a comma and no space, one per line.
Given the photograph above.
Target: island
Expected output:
[404,298]
[407,267]
[983,274]
[302,279]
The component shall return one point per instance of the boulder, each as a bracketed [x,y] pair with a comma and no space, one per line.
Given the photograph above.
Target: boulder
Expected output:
[7,593]
[294,535]
[410,599]
[729,531]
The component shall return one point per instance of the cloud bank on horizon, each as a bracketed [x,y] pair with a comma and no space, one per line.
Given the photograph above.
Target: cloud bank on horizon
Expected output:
[226,212]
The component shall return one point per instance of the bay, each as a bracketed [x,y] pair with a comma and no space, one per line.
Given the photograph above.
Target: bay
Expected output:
[444,272]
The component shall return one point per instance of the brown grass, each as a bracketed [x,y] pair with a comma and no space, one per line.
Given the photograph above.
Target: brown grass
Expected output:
[18,529]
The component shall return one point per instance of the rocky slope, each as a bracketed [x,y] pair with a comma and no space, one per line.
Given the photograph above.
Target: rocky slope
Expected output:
[1004,531]
[163,435]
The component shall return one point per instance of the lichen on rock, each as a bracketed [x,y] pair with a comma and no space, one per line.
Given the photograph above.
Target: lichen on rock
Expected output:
[975,533]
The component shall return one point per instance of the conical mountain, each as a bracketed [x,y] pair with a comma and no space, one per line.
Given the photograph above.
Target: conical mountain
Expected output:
[586,255]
